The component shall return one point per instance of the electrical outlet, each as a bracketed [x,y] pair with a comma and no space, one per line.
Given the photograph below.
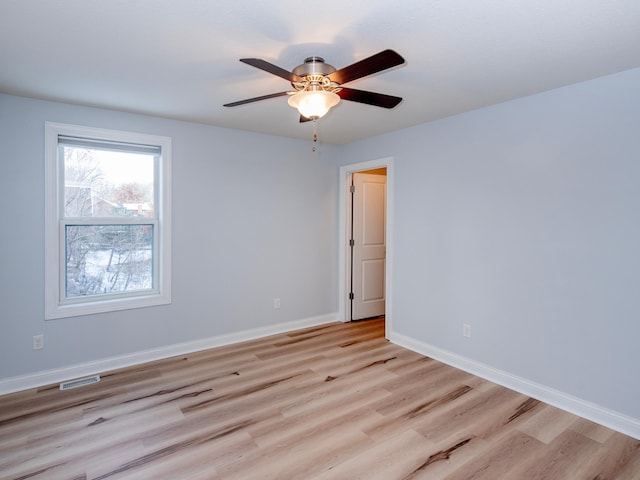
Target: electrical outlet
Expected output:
[466,330]
[38,342]
[276,303]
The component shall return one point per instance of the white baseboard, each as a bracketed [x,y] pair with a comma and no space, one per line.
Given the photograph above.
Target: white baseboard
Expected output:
[603,416]
[48,377]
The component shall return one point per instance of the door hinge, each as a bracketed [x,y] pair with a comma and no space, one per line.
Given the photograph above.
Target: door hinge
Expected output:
[351,296]
[352,188]
[352,243]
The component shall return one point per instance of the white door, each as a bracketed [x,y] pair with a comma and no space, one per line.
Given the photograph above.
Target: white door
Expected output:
[369,245]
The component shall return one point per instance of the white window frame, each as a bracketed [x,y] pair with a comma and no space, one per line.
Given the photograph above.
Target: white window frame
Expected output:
[56,306]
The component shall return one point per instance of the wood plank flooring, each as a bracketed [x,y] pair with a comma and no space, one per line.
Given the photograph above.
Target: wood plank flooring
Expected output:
[331,402]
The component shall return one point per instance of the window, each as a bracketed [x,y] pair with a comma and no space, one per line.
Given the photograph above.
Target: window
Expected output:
[108,220]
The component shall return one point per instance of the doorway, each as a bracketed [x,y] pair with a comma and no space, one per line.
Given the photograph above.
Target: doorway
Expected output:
[367,244]
[346,258]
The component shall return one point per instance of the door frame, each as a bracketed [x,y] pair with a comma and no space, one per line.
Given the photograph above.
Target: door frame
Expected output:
[344,220]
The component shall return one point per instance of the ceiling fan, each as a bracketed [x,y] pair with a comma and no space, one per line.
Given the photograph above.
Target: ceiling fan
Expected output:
[318,86]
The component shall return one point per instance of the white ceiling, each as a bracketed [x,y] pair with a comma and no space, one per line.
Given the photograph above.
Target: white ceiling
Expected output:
[179,58]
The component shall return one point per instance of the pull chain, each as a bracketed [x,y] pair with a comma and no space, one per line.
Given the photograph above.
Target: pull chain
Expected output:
[314,149]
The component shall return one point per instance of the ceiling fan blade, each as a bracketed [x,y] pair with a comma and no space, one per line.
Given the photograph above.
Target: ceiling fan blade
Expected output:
[271,68]
[376,63]
[255,99]
[370,98]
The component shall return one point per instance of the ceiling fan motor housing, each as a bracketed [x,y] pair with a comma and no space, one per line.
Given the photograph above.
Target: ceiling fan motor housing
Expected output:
[313,66]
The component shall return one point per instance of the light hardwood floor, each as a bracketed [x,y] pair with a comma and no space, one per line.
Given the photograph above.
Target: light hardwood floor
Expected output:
[331,402]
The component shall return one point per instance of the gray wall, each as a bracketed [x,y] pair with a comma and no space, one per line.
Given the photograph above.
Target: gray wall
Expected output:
[254,218]
[523,220]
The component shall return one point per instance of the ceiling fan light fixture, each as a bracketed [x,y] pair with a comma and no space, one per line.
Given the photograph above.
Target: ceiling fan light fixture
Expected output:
[314,104]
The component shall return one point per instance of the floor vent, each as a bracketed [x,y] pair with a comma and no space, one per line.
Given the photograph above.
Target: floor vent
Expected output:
[80,382]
